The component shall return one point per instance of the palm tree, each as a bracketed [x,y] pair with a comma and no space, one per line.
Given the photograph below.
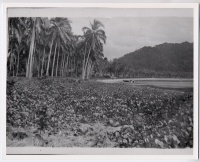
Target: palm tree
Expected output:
[20,47]
[80,50]
[61,49]
[16,26]
[49,56]
[12,56]
[42,40]
[36,24]
[61,32]
[94,38]
[16,32]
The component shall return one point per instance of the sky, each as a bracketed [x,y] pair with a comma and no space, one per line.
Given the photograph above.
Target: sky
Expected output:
[126,29]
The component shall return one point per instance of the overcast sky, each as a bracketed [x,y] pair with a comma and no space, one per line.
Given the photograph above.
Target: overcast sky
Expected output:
[126,29]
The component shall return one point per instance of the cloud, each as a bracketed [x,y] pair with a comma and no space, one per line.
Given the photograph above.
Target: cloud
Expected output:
[127,36]
[127,29]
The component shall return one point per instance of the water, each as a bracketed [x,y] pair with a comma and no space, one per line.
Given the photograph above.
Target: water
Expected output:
[157,82]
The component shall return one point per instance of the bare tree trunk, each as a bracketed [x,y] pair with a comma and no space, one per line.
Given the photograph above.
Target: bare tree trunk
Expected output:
[42,63]
[66,64]
[57,62]
[76,71]
[53,61]
[13,70]
[34,59]
[45,65]
[85,69]
[89,68]
[17,63]
[10,61]
[29,74]
[74,65]
[38,66]
[8,40]
[63,65]
[13,67]
[70,66]
[49,57]
[27,67]
[61,62]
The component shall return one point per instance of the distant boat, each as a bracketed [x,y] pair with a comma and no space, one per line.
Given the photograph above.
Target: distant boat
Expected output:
[130,81]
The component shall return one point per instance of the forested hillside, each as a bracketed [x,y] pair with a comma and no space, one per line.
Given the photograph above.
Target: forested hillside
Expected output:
[167,59]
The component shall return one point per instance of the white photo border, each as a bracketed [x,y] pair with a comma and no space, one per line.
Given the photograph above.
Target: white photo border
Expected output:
[84,153]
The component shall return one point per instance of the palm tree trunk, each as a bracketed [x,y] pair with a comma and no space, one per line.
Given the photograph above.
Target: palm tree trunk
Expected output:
[63,65]
[57,62]
[10,61]
[63,70]
[74,65]
[92,67]
[38,69]
[27,67]
[89,68]
[44,68]
[17,64]
[77,70]
[38,66]
[49,57]
[8,40]
[42,63]
[66,64]
[70,66]
[85,69]
[53,61]
[31,52]
[12,68]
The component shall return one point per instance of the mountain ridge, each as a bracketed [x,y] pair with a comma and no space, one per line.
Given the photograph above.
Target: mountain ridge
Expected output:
[167,57]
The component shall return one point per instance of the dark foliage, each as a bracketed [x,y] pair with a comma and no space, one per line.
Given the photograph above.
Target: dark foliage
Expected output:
[164,60]
[143,116]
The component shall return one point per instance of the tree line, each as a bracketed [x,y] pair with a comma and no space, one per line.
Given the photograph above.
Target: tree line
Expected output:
[170,60]
[39,46]
[122,70]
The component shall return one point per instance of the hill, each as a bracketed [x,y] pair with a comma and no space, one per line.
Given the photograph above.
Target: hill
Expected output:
[166,58]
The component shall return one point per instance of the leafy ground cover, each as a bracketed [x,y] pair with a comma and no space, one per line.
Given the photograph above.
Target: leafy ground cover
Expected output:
[61,112]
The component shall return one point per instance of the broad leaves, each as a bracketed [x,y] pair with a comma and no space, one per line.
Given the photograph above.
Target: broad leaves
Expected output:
[147,117]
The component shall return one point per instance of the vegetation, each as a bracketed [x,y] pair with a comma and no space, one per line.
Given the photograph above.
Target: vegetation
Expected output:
[50,107]
[57,112]
[48,47]
[40,46]
[165,60]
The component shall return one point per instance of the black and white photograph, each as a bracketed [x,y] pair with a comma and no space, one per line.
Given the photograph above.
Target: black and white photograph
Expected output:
[100,77]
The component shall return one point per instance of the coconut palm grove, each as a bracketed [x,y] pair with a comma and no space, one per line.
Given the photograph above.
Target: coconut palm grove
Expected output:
[63,92]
